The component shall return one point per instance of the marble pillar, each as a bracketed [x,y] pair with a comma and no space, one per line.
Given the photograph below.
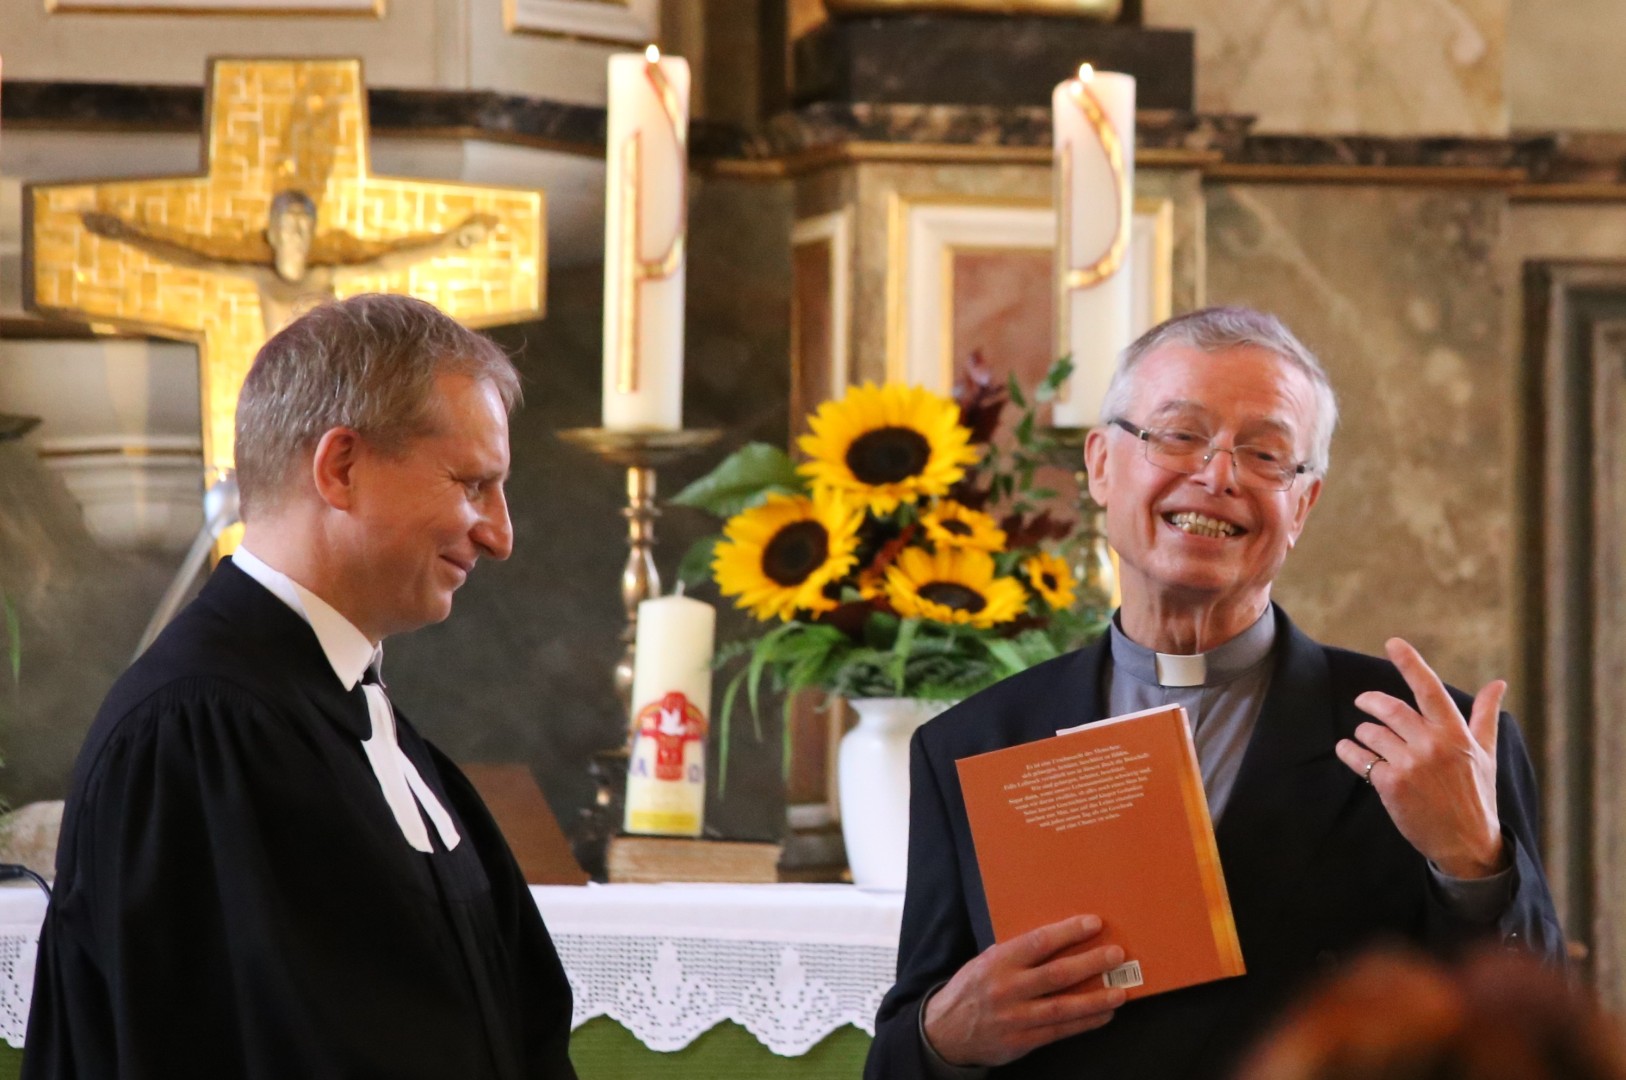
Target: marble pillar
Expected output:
[1399,292]
[1375,67]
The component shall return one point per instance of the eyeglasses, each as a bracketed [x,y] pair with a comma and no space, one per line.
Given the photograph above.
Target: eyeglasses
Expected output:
[1263,468]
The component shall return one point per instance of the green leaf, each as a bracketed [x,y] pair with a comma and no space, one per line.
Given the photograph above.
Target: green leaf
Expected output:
[784,744]
[762,653]
[1007,654]
[742,480]
[1053,379]
[880,630]
[695,569]
[14,639]
[1037,647]
[1014,390]
[900,653]
[724,728]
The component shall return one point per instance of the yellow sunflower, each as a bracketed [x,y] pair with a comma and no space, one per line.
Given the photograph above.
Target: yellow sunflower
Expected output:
[957,585]
[871,584]
[777,558]
[1051,578]
[954,525]
[888,444]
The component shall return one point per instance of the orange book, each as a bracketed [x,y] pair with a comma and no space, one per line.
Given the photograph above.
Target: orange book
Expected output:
[1107,819]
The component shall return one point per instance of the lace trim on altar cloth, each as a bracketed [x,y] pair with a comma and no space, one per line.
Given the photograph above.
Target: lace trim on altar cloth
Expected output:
[666,989]
[668,992]
[18,948]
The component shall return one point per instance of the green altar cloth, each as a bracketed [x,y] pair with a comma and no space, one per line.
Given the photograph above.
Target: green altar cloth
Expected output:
[604,1050]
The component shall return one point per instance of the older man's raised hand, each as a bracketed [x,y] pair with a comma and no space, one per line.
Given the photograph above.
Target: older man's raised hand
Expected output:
[1434,770]
[1023,993]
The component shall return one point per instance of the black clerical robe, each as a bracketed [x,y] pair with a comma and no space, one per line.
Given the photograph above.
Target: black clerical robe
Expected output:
[235,899]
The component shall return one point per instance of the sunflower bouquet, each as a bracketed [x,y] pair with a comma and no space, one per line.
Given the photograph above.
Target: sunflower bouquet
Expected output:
[908,555]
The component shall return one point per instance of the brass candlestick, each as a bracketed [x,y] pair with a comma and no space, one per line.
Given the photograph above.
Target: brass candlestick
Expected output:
[1091,556]
[641,453]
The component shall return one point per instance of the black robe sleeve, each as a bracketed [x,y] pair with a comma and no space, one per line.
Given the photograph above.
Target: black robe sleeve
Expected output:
[234,900]
[535,983]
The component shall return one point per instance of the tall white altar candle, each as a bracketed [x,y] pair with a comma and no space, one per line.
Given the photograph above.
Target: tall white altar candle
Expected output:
[645,222]
[1094,118]
[671,712]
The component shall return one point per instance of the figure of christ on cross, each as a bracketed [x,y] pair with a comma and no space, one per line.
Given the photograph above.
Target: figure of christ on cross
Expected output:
[293,279]
[226,257]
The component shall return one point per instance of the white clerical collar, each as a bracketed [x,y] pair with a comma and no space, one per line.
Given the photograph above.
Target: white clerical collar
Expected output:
[1176,670]
[346,648]
[1218,665]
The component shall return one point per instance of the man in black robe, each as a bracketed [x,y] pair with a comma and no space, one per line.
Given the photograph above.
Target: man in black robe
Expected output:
[264,871]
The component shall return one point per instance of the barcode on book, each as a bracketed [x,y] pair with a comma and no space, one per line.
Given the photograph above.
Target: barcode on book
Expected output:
[1123,976]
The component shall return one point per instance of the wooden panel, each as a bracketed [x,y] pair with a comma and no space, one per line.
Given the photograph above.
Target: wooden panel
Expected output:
[511,794]
[1575,597]
[1608,574]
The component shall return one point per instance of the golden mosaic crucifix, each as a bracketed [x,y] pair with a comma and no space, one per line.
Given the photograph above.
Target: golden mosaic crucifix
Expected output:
[285,215]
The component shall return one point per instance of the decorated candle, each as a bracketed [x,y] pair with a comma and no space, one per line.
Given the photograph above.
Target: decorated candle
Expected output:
[645,222]
[1094,118]
[671,711]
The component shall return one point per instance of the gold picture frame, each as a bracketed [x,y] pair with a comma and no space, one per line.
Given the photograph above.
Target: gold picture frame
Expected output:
[821,309]
[602,22]
[927,239]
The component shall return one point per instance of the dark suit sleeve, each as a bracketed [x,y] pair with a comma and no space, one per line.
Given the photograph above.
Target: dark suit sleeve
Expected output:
[936,938]
[1530,920]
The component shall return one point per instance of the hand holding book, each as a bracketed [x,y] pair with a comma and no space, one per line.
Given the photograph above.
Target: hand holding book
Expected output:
[1023,993]
[1111,820]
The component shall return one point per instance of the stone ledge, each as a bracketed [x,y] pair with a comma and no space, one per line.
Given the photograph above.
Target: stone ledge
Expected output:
[482,114]
[1222,145]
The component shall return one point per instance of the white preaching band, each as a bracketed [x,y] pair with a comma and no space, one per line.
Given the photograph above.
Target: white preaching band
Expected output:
[352,656]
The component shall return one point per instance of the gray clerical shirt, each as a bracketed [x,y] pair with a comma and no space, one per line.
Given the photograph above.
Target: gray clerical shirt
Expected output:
[1223,691]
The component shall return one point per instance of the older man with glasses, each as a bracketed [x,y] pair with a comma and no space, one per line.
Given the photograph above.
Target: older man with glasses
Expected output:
[1355,799]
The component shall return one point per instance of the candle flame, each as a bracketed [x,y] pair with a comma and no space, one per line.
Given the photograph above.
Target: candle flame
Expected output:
[652,55]
[1086,73]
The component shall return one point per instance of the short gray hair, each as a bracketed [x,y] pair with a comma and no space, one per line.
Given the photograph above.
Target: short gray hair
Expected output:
[368,363]
[1215,329]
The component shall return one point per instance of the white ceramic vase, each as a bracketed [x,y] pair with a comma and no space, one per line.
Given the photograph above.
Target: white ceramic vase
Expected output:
[873,778]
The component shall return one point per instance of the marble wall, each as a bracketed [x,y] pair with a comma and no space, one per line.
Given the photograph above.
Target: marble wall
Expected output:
[1400,292]
[1555,50]
[1377,67]
[1554,230]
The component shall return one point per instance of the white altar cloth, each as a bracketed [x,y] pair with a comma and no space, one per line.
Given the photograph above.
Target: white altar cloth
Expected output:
[22,909]
[789,963]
